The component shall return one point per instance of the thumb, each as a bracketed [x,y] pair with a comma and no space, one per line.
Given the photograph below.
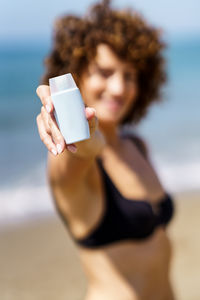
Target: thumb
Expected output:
[92,119]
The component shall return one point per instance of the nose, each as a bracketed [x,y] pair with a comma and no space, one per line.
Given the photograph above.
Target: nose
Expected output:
[116,85]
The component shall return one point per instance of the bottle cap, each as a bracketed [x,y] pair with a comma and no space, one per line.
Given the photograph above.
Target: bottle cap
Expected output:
[61,83]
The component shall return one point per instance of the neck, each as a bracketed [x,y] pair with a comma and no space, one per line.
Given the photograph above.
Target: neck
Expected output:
[111,133]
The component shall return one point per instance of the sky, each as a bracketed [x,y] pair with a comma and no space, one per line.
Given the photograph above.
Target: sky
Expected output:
[34,18]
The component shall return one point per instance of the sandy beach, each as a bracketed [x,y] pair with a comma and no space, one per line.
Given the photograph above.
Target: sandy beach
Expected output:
[38,259]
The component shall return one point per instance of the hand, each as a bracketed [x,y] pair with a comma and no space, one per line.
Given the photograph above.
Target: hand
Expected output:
[48,128]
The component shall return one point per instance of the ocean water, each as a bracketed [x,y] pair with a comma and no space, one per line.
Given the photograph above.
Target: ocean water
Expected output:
[171,129]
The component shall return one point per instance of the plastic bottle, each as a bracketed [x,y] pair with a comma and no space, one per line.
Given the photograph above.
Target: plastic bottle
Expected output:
[69,108]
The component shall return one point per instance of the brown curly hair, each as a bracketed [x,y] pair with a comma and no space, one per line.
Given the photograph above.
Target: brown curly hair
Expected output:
[129,36]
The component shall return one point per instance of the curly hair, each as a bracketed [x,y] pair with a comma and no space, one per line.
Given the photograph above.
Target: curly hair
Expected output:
[129,36]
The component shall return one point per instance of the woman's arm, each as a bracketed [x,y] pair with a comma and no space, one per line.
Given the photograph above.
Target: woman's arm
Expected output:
[67,168]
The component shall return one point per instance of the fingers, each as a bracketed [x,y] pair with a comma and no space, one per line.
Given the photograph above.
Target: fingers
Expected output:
[56,134]
[50,134]
[92,119]
[43,92]
[47,126]
[90,112]
[58,138]
[45,137]
[51,127]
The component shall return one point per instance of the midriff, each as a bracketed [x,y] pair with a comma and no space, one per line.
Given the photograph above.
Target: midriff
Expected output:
[129,270]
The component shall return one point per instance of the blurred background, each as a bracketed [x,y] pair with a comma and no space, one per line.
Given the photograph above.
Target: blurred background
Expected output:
[171,128]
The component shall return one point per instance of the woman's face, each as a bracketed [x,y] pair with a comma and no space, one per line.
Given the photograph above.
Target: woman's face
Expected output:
[109,85]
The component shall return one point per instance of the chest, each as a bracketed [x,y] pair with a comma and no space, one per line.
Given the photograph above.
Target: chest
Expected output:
[128,176]
[130,173]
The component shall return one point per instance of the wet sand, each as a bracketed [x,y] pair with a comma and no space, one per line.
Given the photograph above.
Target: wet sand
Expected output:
[38,259]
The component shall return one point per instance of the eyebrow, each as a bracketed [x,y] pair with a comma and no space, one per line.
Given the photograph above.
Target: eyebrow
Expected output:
[127,70]
[101,67]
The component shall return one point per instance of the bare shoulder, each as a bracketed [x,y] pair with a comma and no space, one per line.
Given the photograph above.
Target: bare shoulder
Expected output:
[139,141]
[141,144]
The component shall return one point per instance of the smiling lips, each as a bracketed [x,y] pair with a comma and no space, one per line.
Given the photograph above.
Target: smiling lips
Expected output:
[113,105]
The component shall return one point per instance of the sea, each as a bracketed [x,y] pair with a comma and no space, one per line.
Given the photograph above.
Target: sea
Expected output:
[171,128]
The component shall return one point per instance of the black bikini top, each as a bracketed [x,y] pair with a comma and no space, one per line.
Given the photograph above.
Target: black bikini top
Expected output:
[126,219]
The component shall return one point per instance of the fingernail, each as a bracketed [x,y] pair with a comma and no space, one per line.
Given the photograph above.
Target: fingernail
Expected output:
[54,152]
[92,110]
[59,148]
[72,148]
[48,108]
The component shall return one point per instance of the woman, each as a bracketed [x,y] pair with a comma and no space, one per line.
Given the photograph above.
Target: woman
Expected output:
[105,188]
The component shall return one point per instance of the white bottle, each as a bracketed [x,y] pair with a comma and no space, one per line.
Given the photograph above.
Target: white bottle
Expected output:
[69,108]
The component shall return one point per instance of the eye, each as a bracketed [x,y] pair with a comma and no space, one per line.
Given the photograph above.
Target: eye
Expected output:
[130,76]
[105,72]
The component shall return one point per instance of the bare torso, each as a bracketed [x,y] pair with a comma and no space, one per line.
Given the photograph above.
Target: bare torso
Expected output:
[128,270]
